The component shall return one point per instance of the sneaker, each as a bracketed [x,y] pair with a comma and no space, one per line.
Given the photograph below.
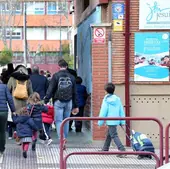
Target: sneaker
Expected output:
[15,135]
[49,141]
[121,155]
[103,150]
[24,154]
[9,138]
[1,154]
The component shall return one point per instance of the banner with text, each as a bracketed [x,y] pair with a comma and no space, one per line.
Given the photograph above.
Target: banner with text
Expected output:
[151,59]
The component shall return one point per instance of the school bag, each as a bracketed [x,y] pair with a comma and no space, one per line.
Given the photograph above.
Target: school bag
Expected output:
[140,142]
[20,91]
[64,90]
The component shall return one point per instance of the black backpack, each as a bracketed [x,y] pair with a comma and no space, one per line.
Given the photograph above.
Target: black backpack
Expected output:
[65,88]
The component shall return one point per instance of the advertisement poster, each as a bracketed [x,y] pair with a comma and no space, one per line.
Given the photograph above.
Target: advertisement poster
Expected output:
[151,58]
[154,14]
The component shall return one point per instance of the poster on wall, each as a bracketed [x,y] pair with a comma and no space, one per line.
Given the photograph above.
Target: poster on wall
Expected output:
[154,14]
[152,61]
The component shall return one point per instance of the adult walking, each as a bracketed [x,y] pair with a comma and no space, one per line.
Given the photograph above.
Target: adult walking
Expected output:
[39,82]
[62,89]
[20,86]
[5,98]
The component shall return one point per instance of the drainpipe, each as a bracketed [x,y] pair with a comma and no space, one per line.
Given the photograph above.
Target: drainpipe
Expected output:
[110,58]
[127,65]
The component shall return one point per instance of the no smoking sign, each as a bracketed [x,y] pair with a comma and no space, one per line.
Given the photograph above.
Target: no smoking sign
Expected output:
[99,35]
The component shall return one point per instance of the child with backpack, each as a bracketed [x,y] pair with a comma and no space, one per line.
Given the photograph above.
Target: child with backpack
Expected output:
[112,107]
[47,119]
[35,107]
[25,126]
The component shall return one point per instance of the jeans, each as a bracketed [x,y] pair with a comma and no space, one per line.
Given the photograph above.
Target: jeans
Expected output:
[112,134]
[3,122]
[62,111]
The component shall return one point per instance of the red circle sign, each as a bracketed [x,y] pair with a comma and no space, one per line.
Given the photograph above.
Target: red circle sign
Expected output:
[99,32]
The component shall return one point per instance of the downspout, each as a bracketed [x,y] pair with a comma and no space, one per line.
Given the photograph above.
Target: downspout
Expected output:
[110,57]
[127,65]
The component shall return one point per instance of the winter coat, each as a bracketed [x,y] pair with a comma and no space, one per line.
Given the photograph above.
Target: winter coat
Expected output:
[36,113]
[5,98]
[111,107]
[81,95]
[25,125]
[49,116]
[19,103]
[39,84]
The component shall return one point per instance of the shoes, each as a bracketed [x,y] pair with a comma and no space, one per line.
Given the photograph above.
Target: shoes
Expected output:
[24,154]
[78,130]
[49,142]
[15,135]
[9,138]
[1,154]
[121,155]
[64,144]
[34,145]
[103,150]
[41,141]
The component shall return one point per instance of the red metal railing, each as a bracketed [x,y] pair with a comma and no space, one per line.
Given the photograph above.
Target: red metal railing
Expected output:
[100,118]
[167,143]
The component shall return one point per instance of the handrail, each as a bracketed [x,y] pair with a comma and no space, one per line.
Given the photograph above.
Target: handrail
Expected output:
[167,143]
[106,118]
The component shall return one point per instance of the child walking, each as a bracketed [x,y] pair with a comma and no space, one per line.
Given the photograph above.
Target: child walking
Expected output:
[35,106]
[112,107]
[47,119]
[25,126]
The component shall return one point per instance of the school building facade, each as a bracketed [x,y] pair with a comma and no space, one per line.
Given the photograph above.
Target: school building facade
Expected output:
[139,34]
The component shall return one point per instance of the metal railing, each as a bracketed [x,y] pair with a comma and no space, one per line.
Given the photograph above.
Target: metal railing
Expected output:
[167,143]
[159,160]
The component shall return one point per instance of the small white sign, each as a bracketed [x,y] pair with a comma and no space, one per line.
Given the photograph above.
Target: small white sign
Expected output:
[99,35]
[154,14]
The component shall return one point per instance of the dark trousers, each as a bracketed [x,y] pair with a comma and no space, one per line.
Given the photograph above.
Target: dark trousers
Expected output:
[45,133]
[3,122]
[112,135]
[11,128]
[78,124]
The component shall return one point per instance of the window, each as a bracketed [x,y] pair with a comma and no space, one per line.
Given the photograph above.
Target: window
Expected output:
[18,57]
[14,8]
[16,34]
[35,8]
[35,33]
[56,8]
[54,33]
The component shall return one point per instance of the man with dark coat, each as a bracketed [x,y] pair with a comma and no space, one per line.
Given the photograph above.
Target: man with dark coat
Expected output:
[39,82]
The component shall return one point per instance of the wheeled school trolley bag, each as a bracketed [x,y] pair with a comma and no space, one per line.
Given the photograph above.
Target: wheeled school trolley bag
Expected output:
[140,142]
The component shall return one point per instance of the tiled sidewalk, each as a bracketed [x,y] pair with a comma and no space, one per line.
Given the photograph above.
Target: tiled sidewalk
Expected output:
[48,158]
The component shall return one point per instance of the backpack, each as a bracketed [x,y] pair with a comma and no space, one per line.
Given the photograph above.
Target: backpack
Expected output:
[64,90]
[20,91]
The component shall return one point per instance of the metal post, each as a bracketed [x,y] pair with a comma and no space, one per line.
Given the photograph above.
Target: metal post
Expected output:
[110,58]
[60,32]
[25,34]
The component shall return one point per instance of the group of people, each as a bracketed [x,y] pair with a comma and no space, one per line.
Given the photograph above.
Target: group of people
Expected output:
[35,102]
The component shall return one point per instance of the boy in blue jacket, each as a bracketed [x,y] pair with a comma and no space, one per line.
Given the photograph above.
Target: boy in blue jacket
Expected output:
[112,107]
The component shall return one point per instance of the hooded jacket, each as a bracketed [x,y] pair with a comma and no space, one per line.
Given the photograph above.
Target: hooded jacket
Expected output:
[25,125]
[111,107]
[48,117]
[19,74]
[36,113]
